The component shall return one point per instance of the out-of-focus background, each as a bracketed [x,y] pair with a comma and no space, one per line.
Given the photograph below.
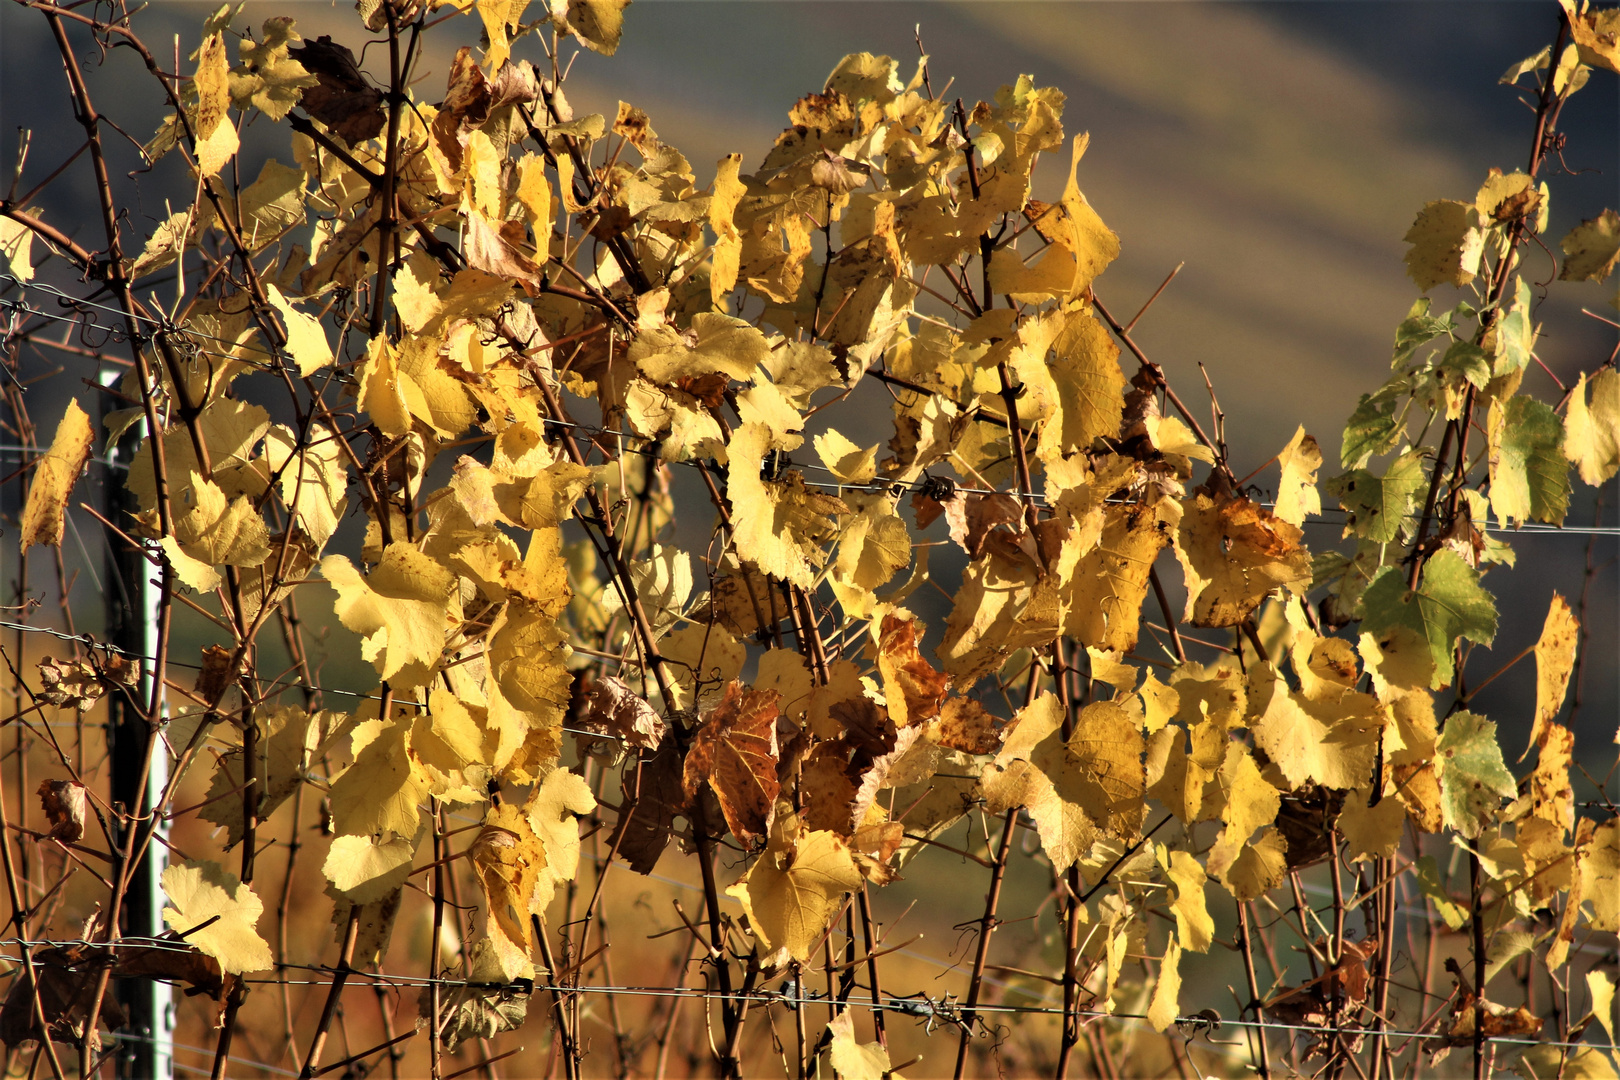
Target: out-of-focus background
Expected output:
[1279,150]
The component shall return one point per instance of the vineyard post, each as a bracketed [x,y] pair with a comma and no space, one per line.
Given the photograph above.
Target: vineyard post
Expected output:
[131,608]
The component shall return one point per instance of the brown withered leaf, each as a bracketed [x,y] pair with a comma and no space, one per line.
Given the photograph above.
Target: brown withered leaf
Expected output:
[65,808]
[1499,1020]
[651,798]
[965,725]
[615,711]
[465,107]
[913,688]
[214,677]
[1350,978]
[69,683]
[349,106]
[514,83]
[1306,823]
[496,249]
[826,792]
[67,978]
[735,752]
[1235,553]
[972,516]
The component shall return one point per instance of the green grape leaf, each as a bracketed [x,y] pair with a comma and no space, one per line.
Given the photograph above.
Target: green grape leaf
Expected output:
[1371,429]
[1449,604]
[1378,504]
[1467,361]
[1529,474]
[1516,333]
[1473,777]
[1418,328]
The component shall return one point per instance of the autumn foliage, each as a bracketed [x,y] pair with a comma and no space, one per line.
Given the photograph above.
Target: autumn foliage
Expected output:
[434,371]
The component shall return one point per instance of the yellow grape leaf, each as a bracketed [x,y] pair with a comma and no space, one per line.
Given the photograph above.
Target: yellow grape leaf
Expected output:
[846,461]
[1591,248]
[1258,868]
[230,429]
[509,858]
[1175,777]
[1447,243]
[734,752]
[381,793]
[1552,798]
[365,870]
[382,390]
[1250,801]
[200,891]
[727,192]
[1235,554]
[1100,767]
[272,204]
[1555,661]
[1102,596]
[415,302]
[1195,928]
[534,193]
[455,746]
[1371,832]
[1297,497]
[716,344]
[1596,34]
[598,23]
[786,672]
[1330,740]
[270,80]
[522,495]
[216,135]
[1592,430]
[401,608]
[313,481]
[780,526]
[1072,790]
[1082,247]
[701,654]
[211,530]
[872,548]
[1107,667]
[852,1060]
[16,249]
[1601,986]
[286,740]
[1165,1005]
[1090,387]
[1600,876]
[1002,605]
[554,810]
[54,476]
[795,886]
